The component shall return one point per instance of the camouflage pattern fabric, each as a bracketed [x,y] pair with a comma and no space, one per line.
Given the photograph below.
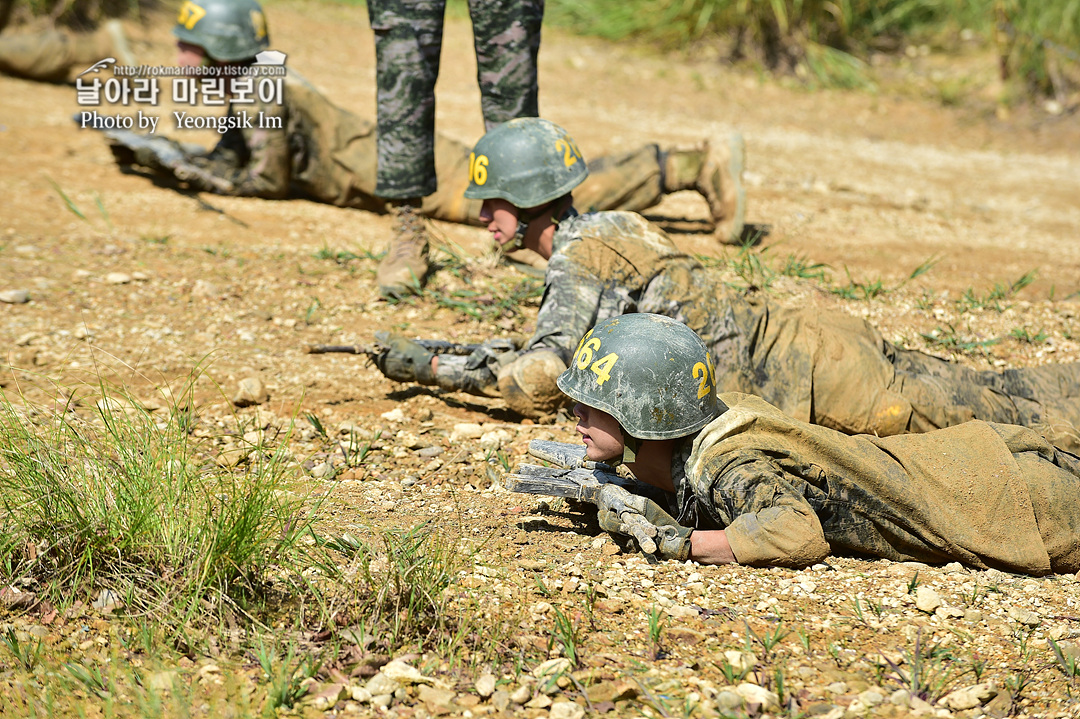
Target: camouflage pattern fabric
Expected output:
[825,368]
[51,55]
[788,493]
[328,154]
[601,263]
[408,42]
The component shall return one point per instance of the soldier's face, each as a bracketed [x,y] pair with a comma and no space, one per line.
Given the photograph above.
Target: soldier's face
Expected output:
[501,219]
[600,432]
[188,55]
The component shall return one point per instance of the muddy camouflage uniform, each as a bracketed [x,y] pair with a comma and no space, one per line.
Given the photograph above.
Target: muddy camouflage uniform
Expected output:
[826,368]
[328,154]
[52,55]
[788,493]
[408,42]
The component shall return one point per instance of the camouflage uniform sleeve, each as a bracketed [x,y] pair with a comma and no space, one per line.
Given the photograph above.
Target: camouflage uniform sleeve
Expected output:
[574,300]
[255,160]
[767,521]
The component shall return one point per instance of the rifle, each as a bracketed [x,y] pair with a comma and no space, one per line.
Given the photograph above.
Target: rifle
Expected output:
[578,478]
[161,153]
[438,347]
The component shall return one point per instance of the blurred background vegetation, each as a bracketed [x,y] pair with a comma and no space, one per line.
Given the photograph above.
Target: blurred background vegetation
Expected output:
[830,42]
[1033,45]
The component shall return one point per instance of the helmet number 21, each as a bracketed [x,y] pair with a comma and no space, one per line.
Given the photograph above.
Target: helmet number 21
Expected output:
[601,367]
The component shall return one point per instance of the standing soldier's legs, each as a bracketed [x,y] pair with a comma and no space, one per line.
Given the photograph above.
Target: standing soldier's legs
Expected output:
[506,34]
[408,40]
[448,202]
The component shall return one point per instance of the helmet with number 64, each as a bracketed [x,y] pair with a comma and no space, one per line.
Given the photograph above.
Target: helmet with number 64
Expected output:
[651,373]
[228,30]
[527,162]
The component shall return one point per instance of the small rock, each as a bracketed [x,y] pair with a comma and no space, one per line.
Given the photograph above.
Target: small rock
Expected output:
[14,297]
[251,391]
[405,673]
[871,698]
[728,701]
[970,697]
[485,685]
[900,697]
[927,600]
[466,430]
[522,694]
[552,667]
[106,598]
[495,438]
[382,701]
[380,684]
[82,332]
[612,691]
[501,700]
[140,276]
[540,701]
[753,694]
[328,696]
[741,662]
[1024,616]
[566,710]
[322,470]
[432,451]
[435,698]
[202,288]
[118,278]
[394,415]
[360,694]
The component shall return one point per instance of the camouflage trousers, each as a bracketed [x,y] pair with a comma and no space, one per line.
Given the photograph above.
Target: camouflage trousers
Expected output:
[408,42]
[51,55]
[835,370]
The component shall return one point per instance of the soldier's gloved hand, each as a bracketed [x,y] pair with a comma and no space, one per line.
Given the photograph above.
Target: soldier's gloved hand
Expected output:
[405,361]
[622,512]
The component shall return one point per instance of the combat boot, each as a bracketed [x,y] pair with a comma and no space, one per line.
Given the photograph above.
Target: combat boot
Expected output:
[403,269]
[717,174]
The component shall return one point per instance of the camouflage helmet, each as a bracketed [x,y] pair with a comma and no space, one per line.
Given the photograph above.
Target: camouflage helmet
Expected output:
[651,373]
[228,30]
[527,162]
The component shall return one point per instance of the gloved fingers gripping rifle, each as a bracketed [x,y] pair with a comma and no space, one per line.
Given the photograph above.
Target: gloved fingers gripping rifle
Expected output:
[405,360]
[162,154]
[620,510]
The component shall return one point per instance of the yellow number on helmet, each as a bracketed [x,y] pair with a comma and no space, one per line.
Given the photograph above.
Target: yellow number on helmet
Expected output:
[258,21]
[191,14]
[585,352]
[602,367]
[478,165]
[570,152]
[701,372]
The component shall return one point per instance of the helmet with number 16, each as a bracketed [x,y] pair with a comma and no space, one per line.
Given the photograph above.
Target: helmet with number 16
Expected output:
[527,162]
[228,30]
[652,374]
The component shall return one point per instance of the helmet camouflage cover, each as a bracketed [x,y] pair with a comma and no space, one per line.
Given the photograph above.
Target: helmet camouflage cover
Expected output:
[651,373]
[229,30]
[527,162]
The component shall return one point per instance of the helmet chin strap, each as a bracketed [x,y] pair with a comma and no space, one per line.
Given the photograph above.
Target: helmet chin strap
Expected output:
[631,446]
[525,219]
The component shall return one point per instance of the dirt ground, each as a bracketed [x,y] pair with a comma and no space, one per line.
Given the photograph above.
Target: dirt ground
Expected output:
[153,283]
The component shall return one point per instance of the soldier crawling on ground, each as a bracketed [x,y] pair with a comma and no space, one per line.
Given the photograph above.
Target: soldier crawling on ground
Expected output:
[326,153]
[745,483]
[826,368]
